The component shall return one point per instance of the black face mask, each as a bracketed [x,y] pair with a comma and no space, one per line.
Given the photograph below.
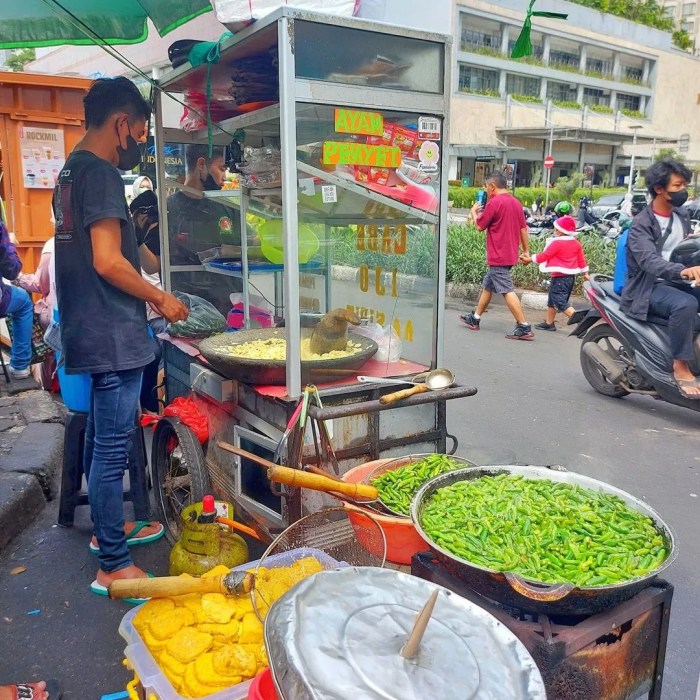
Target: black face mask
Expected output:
[130,156]
[210,183]
[678,199]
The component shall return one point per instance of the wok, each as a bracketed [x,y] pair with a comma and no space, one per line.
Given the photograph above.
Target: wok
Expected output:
[534,596]
[259,371]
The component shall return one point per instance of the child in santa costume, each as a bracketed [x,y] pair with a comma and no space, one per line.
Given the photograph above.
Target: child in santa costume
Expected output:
[563,258]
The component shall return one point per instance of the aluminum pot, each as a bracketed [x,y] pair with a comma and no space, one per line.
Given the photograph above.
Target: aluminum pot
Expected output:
[260,371]
[533,596]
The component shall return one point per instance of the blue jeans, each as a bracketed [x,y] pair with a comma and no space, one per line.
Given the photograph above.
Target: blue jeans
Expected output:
[114,401]
[21,311]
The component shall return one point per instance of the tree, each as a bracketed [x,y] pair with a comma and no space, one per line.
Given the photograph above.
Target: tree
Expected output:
[19,59]
[566,186]
[682,39]
[668,153]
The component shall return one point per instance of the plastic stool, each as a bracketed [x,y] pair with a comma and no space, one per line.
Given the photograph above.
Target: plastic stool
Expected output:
[72,494]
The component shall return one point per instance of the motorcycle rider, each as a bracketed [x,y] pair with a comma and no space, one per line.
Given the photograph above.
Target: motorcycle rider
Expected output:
[655,285]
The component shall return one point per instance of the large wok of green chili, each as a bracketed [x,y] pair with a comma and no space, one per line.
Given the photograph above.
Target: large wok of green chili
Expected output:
[543,530]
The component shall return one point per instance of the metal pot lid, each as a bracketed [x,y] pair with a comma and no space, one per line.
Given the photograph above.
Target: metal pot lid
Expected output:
[339,634]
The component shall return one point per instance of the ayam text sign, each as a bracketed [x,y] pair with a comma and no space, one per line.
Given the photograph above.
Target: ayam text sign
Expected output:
[353,121]
[349,153]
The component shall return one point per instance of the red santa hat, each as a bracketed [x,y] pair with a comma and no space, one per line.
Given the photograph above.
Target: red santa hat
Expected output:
[566,225]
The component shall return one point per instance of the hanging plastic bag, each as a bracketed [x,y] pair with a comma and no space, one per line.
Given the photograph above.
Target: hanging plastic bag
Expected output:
[204,319]
[386,338]
[260,314]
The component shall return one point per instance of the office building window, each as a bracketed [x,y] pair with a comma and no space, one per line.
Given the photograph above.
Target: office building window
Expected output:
[479,37]
[593,96]
[689,26]
[633,73]
[537,49]
[563,58]
[478,80]
[599,65]
[670,10]
[689,9]
[522,85]
[561,92]
[630,102]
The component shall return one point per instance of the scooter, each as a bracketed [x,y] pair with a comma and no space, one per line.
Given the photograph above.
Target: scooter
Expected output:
[620,355]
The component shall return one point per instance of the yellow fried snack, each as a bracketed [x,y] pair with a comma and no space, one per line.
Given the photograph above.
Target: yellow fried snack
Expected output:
[188,644]
[164,626]
[152,609]
[235,659]
[170,664]
[230,630]
[192,688]
[219,570]
[155,645]
[251,630]
[193,603]
[204,670]
[215,608]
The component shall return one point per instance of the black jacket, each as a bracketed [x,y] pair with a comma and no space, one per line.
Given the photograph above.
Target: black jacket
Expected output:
[645,266]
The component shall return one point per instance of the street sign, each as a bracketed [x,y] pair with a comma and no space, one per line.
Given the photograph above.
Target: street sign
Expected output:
[549,162]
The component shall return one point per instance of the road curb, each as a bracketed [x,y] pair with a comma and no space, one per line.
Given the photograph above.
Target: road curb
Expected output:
[21,500]
[33,455]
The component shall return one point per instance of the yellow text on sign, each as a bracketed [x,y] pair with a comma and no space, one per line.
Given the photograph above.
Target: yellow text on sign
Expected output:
[353,121]
[350,153]
[380,287]
[387,240]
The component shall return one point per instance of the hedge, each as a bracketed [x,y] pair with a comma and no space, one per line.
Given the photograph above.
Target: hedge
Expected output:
[464,197]
[466,259]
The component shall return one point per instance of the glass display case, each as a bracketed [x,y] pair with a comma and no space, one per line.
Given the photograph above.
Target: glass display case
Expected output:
[341,175]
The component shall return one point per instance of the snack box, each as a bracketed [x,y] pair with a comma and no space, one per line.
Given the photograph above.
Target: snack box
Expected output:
[153,681]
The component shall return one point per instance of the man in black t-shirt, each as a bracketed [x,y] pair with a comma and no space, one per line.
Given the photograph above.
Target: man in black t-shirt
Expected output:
[101,297]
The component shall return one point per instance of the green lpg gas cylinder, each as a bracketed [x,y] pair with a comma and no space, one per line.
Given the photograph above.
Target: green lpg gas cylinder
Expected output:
[202,546]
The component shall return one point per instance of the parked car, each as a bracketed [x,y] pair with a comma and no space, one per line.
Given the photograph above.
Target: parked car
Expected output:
[612,202]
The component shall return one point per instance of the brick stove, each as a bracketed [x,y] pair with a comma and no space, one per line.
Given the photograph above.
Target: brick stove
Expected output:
[617,654]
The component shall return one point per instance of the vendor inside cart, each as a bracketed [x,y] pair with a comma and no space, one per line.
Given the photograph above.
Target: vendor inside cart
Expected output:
[196,223]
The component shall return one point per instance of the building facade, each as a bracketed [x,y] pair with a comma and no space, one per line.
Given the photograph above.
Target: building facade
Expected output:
[686,14]
[595,89]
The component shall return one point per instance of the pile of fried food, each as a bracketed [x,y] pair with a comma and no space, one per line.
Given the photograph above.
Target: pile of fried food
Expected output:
[276,349]
[207,643]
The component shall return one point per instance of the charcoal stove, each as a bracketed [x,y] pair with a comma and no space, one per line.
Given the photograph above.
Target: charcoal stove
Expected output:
[617,654]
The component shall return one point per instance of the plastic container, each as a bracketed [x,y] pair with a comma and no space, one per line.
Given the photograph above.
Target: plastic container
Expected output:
[154,683]
[402,539]
[262,687]
[75,388]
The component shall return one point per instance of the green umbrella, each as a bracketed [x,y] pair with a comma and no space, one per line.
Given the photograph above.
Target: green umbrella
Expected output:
[523,46]
[26,23]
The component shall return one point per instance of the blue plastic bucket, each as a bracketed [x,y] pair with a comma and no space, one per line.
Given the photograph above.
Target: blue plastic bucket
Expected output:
[75,388]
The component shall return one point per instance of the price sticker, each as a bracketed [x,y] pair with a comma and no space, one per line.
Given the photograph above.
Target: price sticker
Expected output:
[329,194]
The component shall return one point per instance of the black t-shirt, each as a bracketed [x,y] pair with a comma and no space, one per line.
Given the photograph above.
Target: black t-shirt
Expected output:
[198,224]
[102,328]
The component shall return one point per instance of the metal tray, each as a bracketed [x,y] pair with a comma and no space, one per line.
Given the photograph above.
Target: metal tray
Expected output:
[254,371]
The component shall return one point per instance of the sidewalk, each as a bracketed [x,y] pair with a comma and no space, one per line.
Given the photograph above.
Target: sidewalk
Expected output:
[31,450]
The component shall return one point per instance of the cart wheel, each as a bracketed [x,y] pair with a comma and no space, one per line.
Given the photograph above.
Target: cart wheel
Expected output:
[179,472]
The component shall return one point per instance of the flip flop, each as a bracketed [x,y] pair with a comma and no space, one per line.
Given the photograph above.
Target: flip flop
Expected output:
[131,538]
[99,589]
[30,691]
[683,384]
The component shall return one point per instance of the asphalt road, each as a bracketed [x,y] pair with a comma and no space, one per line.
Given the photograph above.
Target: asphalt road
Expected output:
[533,407]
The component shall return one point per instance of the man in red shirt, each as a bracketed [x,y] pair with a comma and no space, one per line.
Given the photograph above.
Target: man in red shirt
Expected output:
[506,231]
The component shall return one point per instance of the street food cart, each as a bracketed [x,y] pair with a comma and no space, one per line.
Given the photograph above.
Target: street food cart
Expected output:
[353,121]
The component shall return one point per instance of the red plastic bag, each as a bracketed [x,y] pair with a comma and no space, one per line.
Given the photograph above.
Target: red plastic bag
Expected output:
[186,410]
